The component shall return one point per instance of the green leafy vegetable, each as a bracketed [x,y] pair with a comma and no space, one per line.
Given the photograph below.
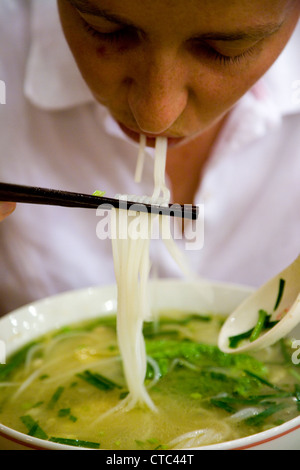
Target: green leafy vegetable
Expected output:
[165,351]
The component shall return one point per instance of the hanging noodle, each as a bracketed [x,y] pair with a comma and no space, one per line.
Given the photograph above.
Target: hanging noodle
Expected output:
[132,266]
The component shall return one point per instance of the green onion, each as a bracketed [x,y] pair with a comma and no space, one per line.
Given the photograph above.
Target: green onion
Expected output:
[97,380]
[280,293]
[263,381]
[55,397]
[75,442]
[262,315]
[15,361]
[98,193]
[64,412]
[234,341]
[223,404]
[262,324]
[33,427]
[297,395]
[261,417]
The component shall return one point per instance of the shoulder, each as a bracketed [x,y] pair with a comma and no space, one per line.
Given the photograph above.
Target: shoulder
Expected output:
[14,38]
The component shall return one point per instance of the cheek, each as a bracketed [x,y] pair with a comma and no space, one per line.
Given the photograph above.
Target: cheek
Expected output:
[101,72]
[222,90]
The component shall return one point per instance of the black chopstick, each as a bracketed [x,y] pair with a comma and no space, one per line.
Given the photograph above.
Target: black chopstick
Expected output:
[54,197]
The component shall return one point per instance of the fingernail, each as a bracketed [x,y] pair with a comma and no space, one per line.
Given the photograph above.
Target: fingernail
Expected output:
[6,207]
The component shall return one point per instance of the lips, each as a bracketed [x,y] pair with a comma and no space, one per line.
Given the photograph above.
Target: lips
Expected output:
[151,138]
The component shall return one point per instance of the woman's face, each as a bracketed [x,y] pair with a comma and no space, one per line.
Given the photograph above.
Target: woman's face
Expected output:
[174,67]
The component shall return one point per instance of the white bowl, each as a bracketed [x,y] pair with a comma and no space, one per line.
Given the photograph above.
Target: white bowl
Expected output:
[32,321]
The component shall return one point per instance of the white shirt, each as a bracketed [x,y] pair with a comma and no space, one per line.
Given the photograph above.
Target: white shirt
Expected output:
[53,134]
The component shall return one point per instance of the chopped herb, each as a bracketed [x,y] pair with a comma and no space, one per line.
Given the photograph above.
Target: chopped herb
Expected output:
[285,352]
[231,400]
[280,293]
[75,442]
[222,404]
[15,361]
[64,412]
[153,441]
[262,315]
[43,377]
[33,427]
[297,395]
[140,443]
[55,397]
[234,341]
[258,419]
[97,380]
[28,406]
[263,323]
[262,380]
[98,193]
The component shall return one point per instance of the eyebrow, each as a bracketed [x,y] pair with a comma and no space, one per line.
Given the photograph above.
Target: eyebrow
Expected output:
[87,8]
[251,33]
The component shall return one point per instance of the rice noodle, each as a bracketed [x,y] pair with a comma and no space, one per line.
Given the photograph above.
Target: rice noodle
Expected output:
[9,384]
[244,414]
[140,160]
[132,266]
[156,370]
[201,437]
[131,271]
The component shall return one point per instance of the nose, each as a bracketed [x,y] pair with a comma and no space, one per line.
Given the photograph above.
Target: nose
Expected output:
[157,94]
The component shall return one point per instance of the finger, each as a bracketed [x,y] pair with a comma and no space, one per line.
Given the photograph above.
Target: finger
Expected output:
[6,208]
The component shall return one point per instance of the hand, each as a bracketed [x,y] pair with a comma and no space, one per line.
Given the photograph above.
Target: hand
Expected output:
[6,208]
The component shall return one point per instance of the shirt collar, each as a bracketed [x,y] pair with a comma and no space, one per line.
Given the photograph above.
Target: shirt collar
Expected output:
[283,78]
[53,82]
[52,79]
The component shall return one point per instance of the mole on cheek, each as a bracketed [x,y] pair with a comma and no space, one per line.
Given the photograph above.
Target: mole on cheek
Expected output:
[101,51]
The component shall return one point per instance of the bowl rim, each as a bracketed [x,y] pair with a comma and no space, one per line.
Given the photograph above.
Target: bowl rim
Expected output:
[243,443]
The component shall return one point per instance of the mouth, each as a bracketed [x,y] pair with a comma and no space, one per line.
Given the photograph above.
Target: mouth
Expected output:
[151,138]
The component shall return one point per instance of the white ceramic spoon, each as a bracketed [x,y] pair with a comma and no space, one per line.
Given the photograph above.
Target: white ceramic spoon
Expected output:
[283,290]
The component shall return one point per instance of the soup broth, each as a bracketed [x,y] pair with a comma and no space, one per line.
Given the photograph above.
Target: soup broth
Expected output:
[69,387]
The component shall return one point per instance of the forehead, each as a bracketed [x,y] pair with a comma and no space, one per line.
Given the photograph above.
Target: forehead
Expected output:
[186,13]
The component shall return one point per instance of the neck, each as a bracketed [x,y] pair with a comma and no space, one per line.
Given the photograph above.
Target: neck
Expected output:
[185,164]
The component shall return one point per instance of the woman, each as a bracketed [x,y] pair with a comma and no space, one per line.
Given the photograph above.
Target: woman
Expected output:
[187,70]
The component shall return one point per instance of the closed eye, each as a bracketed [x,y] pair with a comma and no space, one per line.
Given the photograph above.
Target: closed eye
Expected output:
[205,51]
[126,34]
